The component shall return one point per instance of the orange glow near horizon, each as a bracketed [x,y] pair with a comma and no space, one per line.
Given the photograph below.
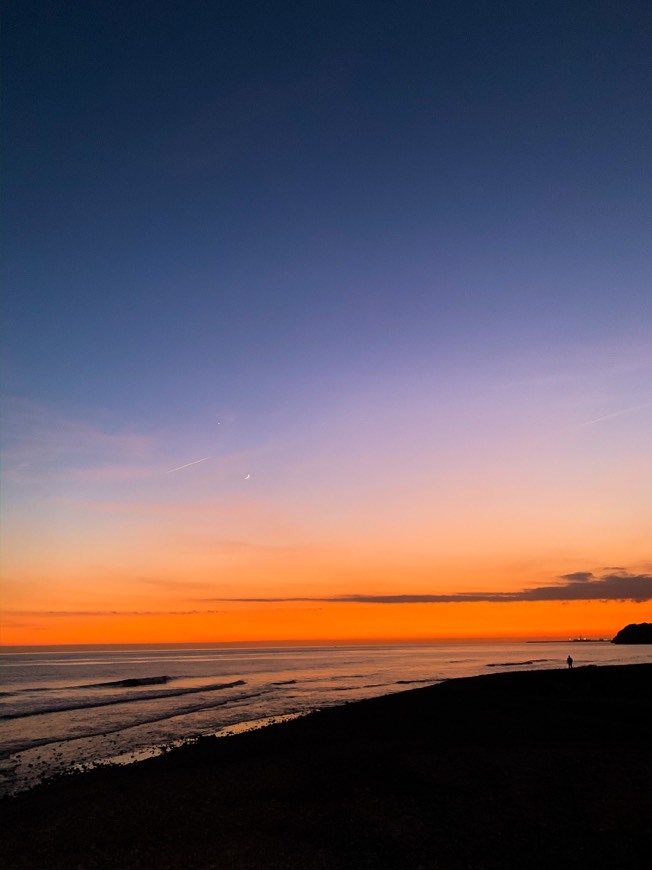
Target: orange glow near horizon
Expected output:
[333,622]
[519,515]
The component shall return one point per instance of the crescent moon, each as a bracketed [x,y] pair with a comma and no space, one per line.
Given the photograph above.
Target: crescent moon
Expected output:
[247,477]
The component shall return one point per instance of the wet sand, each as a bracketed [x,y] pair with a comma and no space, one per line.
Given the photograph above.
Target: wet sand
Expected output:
[539,769]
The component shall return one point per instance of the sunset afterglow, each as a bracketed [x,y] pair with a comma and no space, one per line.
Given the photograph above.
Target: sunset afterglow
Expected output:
[326,329]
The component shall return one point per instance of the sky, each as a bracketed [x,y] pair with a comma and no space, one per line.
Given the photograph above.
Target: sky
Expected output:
[326,320]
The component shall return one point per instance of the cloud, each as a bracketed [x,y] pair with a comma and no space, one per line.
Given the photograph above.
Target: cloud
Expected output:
[579,586]
[40,441]
[175,585]
[579,576]
[85,613]
[618,413]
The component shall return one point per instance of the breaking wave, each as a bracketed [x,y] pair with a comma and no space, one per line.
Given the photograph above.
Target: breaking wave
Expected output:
[128,683]
[129,699]
[409,682]
[513,664]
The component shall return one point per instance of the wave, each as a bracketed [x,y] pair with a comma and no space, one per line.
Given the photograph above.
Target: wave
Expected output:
[32,689]
[407,682]
[129,699]
[127,684]
[511,664]
[354,688]
[102,730]
[340,677]
[130,683]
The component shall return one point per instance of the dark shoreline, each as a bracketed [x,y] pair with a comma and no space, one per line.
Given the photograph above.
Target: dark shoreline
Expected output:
[535,769]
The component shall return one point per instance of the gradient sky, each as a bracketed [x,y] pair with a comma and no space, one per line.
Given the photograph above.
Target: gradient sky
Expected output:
[378,274]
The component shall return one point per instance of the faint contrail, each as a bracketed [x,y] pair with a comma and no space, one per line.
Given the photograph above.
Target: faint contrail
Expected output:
[618,413]
[179,467]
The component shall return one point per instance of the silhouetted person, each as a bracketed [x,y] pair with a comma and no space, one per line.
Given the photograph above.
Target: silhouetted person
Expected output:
[569,661]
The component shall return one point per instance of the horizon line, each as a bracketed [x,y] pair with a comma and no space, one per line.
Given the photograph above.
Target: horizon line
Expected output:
[357,641]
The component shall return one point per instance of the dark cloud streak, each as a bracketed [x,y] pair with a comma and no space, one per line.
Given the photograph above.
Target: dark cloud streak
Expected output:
[75,613]
[579,586]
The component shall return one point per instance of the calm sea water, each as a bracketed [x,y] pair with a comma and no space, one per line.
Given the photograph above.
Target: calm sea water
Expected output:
[66,707]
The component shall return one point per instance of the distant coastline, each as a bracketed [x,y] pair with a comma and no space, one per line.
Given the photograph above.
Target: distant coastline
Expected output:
[574,640]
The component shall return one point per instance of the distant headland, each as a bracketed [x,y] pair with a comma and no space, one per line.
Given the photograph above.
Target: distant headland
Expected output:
[635,633]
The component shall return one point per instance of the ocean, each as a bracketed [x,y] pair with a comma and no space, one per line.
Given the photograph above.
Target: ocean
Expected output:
[70,708]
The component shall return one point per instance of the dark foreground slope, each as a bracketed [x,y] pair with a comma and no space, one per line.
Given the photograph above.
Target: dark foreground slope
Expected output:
[530,770]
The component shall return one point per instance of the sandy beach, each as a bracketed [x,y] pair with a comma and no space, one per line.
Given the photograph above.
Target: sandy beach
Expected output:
[516,770]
